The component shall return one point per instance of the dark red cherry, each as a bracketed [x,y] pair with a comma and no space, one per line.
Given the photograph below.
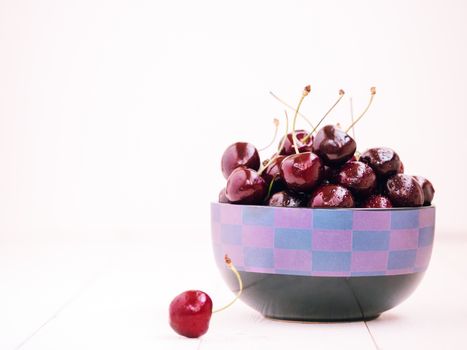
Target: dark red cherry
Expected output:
[428,189]
[357,177]
[190,313]
[288,148]
[384,161]
[401,168]
[404,191]
[377,201]
[333,145]
[222,196]
[245,186]
[285,199]
[239,154]
[331,196]
[302,172]
[273,171]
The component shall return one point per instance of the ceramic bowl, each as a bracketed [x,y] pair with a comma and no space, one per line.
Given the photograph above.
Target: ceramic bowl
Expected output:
[323,264]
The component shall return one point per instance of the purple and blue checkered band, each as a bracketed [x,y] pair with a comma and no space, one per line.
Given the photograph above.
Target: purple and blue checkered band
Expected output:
[323,242]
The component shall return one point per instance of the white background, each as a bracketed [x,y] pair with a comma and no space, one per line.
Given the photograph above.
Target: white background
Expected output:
[114,114]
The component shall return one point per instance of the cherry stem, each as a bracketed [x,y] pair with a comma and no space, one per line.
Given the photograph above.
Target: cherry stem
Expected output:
[305,93]
[231,266]
[280,146]
[373,92]
[270,187]
[341,94]
[352,117]
[276,126]
[291,108]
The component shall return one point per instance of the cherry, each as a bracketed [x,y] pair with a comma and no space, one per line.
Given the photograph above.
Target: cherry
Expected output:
[239,154]
[190,313]
[428,189]
[377,201]
[304,146]
[285,199]
[272,171]
[245,186]
[331,196]
[302,171]
[357,177]
[384,161]
[404,191]
[334,146]
[401,168]
[222,196]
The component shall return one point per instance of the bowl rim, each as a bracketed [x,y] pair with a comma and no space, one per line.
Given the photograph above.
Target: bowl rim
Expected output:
[328,209]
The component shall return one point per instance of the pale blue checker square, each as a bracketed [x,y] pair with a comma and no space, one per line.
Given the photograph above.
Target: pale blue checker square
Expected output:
[330,261]
[370,240]
[292,272]
[258,215]
[402,259]
[292,238]
[425,236]
[368,273]
[404,219]
[332,219]
[258,257]
[231,234]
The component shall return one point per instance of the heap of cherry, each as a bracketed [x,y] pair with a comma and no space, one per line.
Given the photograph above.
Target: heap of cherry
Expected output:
[321,169]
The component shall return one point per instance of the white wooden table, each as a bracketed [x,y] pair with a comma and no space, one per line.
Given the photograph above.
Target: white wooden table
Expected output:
[114,294]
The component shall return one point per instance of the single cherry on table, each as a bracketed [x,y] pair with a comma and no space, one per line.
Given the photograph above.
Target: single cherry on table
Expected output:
[190,313]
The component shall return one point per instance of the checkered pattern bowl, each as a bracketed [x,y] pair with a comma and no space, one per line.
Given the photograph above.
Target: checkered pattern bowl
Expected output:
[323,264]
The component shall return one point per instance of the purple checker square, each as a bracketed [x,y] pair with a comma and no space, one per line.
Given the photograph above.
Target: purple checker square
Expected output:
[423,258]
[403,239]
[369,261]
[292,218]
[235,253]
[231,214]
[371,220]
[291,259]
[427,217]
[331,240]
[258,236]
[215,212]
[216,232]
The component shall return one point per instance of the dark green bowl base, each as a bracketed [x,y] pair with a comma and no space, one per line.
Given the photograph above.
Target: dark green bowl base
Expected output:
[322,299]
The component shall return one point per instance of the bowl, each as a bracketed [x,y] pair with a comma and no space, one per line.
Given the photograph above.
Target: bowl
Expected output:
[323,264]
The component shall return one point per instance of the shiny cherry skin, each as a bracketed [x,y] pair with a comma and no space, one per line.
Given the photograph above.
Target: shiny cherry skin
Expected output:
[404,191]
[288,148]
[273,171]
[384,161]
[285,199]
[401,168]
[331,196]
[358,177]
[239,154]
[222,196]
[302,172]
[245,186]
[428,189]
[377,201]
[190,313]
[333,145]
